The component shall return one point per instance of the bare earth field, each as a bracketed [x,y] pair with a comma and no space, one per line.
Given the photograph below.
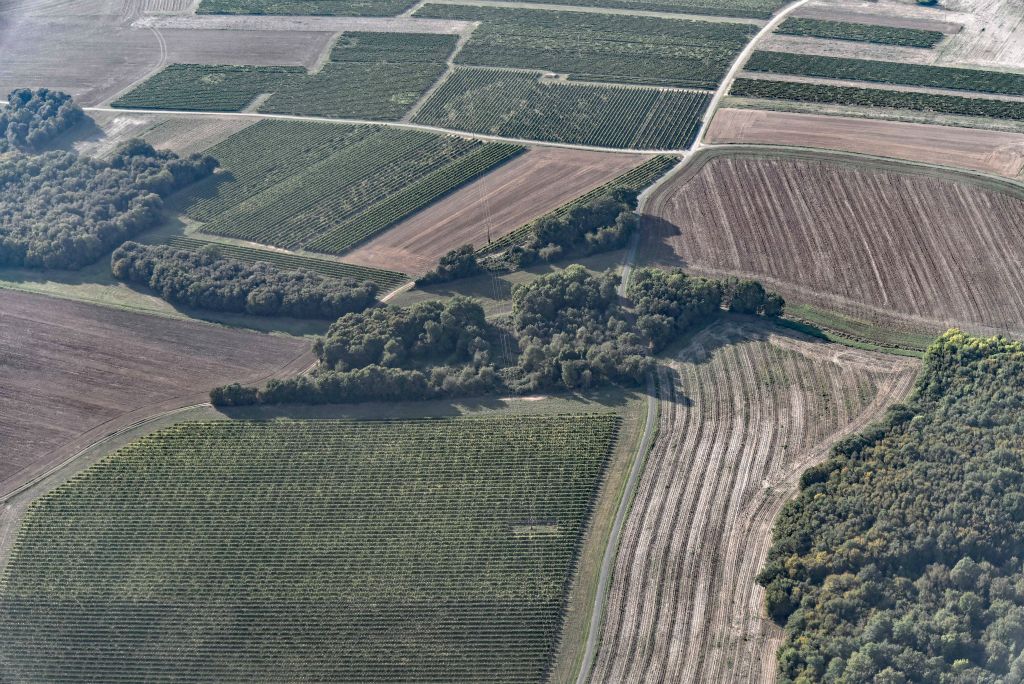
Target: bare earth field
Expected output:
[935,249]
[529,186]
[71,372]
[988,151]
[744,410]
[179,133]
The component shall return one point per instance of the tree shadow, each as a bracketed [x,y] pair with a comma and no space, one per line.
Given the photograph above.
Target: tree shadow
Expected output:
[656,248]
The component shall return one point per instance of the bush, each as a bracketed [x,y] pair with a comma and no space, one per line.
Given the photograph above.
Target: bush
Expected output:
[458,263]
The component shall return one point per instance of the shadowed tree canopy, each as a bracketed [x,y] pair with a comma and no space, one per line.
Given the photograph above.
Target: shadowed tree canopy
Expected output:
[31,118]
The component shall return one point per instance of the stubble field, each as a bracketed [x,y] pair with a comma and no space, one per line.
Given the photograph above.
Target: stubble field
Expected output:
[932,249]
[69,371]
[744,410]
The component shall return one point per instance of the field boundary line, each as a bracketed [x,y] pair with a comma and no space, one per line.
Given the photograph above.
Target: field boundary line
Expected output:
[449,69]
[612,549]
[394,124]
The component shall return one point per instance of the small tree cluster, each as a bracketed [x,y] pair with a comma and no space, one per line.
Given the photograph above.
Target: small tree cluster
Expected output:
[31,118]
[460,262]
[207,280]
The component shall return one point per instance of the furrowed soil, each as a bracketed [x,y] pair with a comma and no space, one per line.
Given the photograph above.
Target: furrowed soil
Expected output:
[988,151]
[744,410]
[519,191]
[873,240]
[70,373]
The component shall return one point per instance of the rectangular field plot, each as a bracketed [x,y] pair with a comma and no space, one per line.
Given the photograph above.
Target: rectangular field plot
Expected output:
[894,73]
[519,105]
[332,269]
[344,8]
[290,183]
[600,47]
[380,551]
[867,33]
[756,9]
[375,76]
[877,97]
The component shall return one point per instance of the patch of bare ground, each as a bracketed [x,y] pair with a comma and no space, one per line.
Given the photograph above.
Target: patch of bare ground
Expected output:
[871,239]
[71,373]
[890,13]
[988,151]
[179,133]
[806,45]
[529,186]
[744,410]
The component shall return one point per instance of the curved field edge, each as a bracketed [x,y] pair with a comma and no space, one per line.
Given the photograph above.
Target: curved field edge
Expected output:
[850,319]
[684,605]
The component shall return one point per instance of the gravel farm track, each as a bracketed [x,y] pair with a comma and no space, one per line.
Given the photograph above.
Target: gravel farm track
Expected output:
[877,240]
[744,410]
[71,373]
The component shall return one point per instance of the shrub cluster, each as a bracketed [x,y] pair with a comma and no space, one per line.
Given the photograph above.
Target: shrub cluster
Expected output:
[59,210]
[207,280]
[31,118]
[460,262]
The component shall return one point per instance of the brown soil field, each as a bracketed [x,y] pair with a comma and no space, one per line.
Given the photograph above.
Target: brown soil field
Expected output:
[989,151]
[70,373]
[744,410]
[526,187]
[869,240]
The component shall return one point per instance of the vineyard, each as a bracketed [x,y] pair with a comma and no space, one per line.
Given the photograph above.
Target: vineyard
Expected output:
[600,47]
[637,178]
[874,97]
[519,105]
[756,9]
[745,411]
[894,73]
[387,280]
[866,33]
[381,551]
[376,76]
[289,183]
[414,197]
[344,8]
[871,243]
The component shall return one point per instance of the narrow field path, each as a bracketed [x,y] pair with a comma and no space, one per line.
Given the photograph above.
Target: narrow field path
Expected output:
[743,412]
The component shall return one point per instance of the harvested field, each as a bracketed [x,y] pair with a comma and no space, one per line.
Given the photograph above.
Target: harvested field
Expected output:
[744,411]
[527,187]
[938,249]
[808,45]
[182,134]
[989,151]
[876,13]
[71,372]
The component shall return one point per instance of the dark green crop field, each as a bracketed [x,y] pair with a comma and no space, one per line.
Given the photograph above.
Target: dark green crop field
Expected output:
[406,551]
[866,33]
[614,48]
[344,8]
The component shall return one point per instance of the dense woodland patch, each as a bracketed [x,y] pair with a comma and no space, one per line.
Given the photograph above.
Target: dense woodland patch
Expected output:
[31,118]
[901,559]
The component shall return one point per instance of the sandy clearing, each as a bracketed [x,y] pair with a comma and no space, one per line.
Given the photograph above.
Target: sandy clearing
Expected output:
[745,409]
[528,186]
[68,368]
[183,135]
[807,45]
[989,151]
[871,240]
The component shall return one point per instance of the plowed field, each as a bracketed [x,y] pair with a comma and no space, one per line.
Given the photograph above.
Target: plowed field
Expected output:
[744,411]
[933,249]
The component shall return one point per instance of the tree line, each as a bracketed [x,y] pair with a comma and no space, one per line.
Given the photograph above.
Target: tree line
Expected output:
[568,330]
[206,279]
[902,558]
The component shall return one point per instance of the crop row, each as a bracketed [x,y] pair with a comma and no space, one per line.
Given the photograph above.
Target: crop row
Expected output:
[873,97]
[427,190]
[600,47]
[895,73]
[387,280]
[636,179]
[339,186]
[375,76]
[867,33]
[518,105]
[264,154]
[756,9]
[344,8]
[379,551]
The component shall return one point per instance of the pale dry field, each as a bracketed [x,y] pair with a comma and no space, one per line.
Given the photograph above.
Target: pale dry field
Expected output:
[182,134]
[744,410]
[532,184]
[935,249]
[979,150]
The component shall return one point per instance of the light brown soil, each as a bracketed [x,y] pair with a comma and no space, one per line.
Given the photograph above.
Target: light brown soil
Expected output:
[936,248]
[179,133]
[989,151]
[743,412]
[71,372]
[849,49]
[897,15]
[529,186]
